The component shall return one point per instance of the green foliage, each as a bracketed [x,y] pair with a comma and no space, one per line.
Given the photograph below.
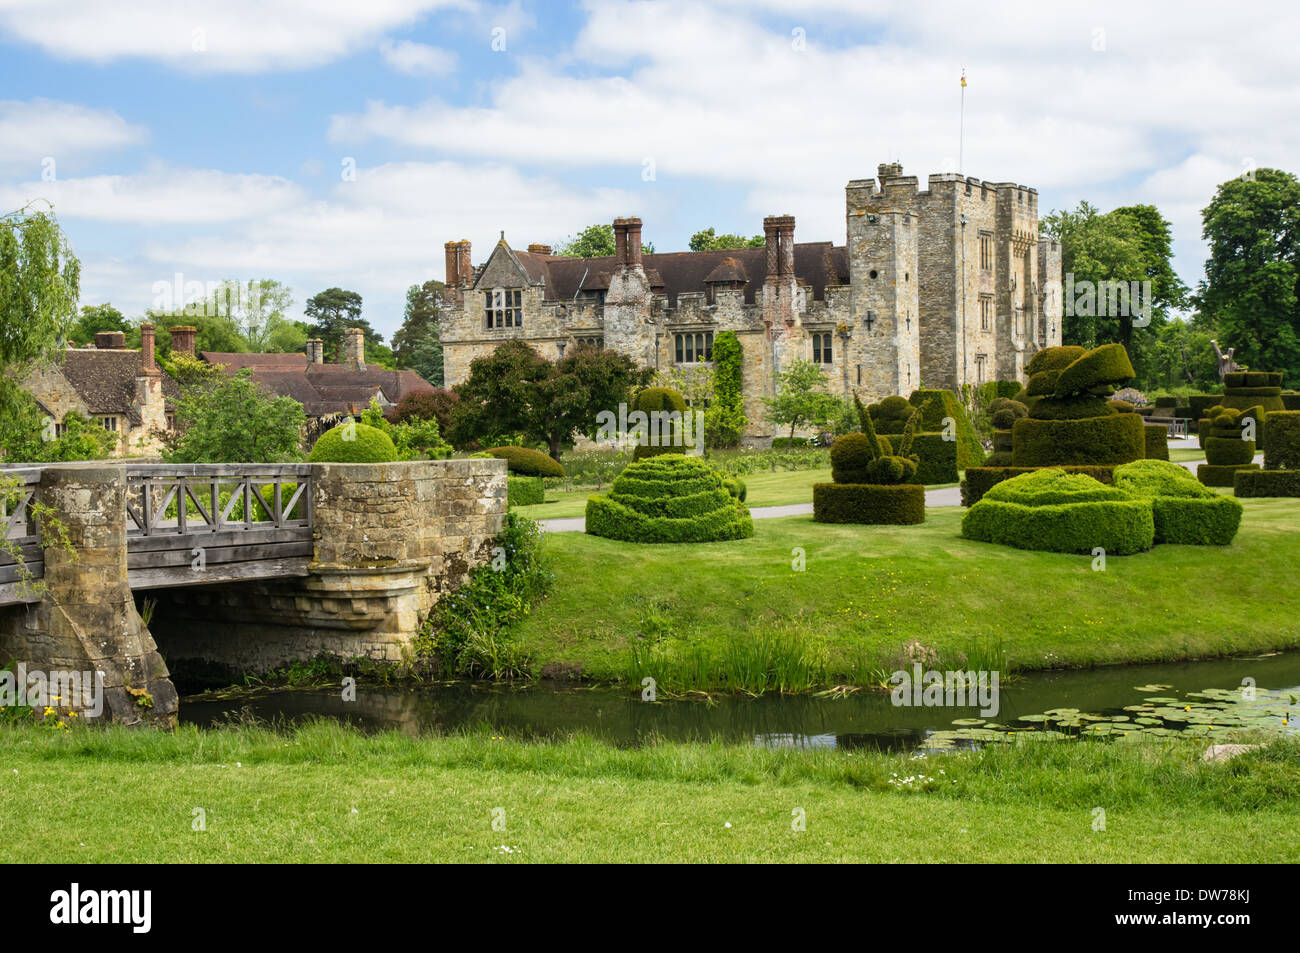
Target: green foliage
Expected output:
[1077,407]
[437,404]
[96,319]
[801,399]
[1105,366]
[233,420]
[1157,441]
[938,407]
[708,240]
[725,421]
[1055,511]
[871,504]
[469,630]
[1004,412]
[1054,359]
[415,438]
[333,312]
[354,443]
[1118,438]
[1183,510]
[936,459]
[1212,474]
[525,490]
[669,498]
[1282,441]
[417,344]
[594,241]
[525,462]
[28,435]
[1266,482]
[736,487]
[978,480]
[891,415]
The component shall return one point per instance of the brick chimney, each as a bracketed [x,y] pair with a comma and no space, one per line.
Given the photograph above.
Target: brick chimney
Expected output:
[785,227]
[148,365]
[110,340]
[354,349]
[315,349]
[452,250]
[772,243]
[464,268]
[620,241]
[539,249]
[633,241]
[183,339]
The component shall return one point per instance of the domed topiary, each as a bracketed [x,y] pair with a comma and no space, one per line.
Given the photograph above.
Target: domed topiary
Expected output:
[1054,358]
[669,498]
[890,415]
[524,461]
[661,400]
[1184,511]
[353,443]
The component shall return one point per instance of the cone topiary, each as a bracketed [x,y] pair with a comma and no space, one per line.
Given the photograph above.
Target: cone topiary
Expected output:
[670,498]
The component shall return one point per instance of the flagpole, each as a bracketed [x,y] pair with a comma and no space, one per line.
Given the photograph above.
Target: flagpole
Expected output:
[961,137]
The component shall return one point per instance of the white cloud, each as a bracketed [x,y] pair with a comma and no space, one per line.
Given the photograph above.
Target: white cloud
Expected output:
[418,59]
[70,134]
[242,36]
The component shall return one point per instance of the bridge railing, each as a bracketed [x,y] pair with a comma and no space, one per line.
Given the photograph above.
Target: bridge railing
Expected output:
[22,561]
[189,499]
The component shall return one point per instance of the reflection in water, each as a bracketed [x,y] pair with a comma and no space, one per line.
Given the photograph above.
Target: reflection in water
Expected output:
[861,720]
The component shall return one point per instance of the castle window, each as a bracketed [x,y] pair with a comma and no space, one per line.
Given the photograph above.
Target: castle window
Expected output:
[822,352]
[591,342]
[503,308]
[980,361]
[695,347]
[986,313]
[171,421]
[986,252]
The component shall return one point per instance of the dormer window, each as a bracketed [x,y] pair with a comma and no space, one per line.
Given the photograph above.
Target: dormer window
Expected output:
[503,308]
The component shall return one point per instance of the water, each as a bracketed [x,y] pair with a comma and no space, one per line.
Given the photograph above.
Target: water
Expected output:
[863,719]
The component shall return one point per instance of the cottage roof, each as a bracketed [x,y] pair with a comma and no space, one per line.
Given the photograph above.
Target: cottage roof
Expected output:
[105,380]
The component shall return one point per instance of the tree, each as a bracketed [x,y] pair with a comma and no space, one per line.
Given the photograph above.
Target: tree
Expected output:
[514,390]
[801,399]
[707,240]
[96,319]
[233,420]
[258,308]
[288,337]
[417,344]
[332,312]
[595,241]
[1251,278]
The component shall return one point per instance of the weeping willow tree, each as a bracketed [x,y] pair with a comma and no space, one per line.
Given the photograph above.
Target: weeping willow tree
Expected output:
[40,281]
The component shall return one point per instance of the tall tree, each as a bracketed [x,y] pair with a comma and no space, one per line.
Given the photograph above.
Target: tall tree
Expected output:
[708,240]
[1251,289]
[334,311]
[417,344]
[595,241]
[95,319]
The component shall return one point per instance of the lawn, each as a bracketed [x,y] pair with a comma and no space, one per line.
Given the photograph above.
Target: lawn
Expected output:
[865,592]
[325,793]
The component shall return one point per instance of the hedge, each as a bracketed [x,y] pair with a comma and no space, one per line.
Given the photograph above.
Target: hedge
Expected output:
[1157,441]
[1054,358]
[669,498]
[524,491]
[899,504]
[1073,408]
[1228,451]
[525,462]
[979,480]
[1212,475]
[352,442]
[1200,403]
[1266,483]
[938,457]
[1118,438]
[1291,401]
[1120,527]
[1184,511]
[1282,441]
[1051,486]
[1107,364]
[1002,440]
[970,452]
[662,400]
[1239,379]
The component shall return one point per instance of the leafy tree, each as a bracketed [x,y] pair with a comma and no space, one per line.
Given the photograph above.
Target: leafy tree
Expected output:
[801,399]
[1253,274]
[708,240]
[415,438]
[333,312]
[258,308]
[233,420]
[595,241]
[95,319]
[516,390]
[214,332]
[417,344]
[288,337]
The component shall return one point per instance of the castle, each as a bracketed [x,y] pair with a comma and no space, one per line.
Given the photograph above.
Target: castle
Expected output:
[943,287]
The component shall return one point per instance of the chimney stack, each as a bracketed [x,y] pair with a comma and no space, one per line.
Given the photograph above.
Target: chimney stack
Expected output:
[785,226]
[315,351]
[633,241]
[354,349]
[464,269]
[110,340]
[772,244]
[620,241]
[452,250]
[147,363]
[539,249]
[183,339]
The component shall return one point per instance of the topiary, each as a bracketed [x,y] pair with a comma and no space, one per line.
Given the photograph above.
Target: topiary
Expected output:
[1054,358]
[1184,511]
[524,491]
[1098,371]
[524,461]
[669,498]
[1282,441]
[890,415]
[352,442]
[938,408]
[1003,413]
[660,400]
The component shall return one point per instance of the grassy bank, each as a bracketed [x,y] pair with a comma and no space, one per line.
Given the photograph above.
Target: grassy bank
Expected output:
[694,614]
[328,794]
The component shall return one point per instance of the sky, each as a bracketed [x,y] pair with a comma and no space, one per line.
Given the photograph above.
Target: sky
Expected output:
[341,143]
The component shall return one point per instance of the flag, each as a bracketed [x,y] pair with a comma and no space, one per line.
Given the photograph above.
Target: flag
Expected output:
[963,79]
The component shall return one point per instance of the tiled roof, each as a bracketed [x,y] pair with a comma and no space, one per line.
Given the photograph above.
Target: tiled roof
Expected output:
[237,362]
[323,388]
[105,380]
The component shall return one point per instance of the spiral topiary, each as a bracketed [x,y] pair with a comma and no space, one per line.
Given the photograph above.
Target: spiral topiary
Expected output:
[670,498]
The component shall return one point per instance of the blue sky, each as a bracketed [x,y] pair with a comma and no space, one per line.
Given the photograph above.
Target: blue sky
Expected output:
[210,139]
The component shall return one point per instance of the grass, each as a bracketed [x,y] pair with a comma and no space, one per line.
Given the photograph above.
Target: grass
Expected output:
[326,793]
[866,592]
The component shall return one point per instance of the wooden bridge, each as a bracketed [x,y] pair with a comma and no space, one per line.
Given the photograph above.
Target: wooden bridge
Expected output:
[186,525]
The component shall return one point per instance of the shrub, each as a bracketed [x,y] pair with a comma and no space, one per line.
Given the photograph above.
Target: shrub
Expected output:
[662,400]
[736,487]
[1118,438]
[978,480]
[1072,408]
[1229,451]
[524,491]
[851,454]
[940,405]
[998,458]
[726,415]
[1157,441]
[1215,475]
[1002,441]
[937,459]
[1054,359]
[1282,441]
[436,404]
[1102,367]
[354,443]
[523,461]
[1029,516]
[1004,412]
[890,415]
[1184,511]
[1266,483]
[899,504]
[1121,406]
[669,498]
